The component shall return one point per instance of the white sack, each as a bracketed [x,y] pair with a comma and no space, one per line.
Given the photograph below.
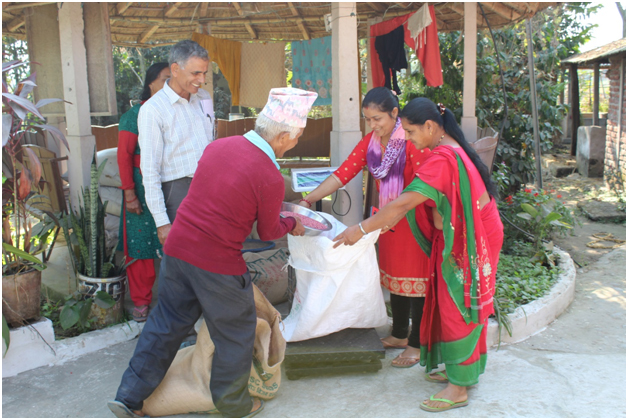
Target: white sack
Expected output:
[113,196]
[336,288]
[110,176]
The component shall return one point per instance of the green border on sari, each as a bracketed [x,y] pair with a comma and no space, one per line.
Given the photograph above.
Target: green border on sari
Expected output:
[453,275]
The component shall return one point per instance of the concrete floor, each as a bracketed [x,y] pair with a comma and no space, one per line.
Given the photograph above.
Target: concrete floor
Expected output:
[576,367]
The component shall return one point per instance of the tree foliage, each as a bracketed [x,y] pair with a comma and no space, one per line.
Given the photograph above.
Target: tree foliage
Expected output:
[557,33]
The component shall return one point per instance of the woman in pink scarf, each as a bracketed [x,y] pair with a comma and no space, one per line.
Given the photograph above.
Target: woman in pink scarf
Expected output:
[404,267]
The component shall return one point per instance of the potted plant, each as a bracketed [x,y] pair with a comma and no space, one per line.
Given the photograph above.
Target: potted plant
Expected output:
[95,264]
[21,269]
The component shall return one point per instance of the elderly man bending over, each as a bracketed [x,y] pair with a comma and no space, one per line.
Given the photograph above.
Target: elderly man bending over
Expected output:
[236,183]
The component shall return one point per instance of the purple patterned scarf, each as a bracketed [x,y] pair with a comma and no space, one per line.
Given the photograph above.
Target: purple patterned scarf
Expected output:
[389,168]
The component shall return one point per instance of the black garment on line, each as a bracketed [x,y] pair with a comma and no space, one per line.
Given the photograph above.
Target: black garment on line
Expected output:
[389,47]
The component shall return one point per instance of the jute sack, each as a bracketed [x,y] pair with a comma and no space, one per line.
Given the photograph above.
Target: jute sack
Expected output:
[266,272]
[185,388]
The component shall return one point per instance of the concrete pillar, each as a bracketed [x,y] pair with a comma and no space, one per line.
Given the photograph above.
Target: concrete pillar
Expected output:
[76,91]
[345,99]
[469,122]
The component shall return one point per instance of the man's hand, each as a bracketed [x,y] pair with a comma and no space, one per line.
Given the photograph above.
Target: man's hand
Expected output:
[132,203]
[298,230]
[162,232]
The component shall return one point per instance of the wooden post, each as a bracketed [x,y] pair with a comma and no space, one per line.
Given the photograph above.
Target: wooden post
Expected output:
[574,96]
[535,111]
[596,93]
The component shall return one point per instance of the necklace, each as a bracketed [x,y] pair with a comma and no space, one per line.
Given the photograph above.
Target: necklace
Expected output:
[441,139]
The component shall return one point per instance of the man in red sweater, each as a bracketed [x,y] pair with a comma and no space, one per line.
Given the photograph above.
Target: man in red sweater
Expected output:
[236,183]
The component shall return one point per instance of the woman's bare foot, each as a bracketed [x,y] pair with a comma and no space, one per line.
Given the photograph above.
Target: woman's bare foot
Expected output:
[408,358]
[393,342]
[139,413]
[452,392]
[257,403]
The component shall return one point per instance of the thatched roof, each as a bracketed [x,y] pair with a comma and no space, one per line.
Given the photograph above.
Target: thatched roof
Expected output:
[146,24]
[600,54]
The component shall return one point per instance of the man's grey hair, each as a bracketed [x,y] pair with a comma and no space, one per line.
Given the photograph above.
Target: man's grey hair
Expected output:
[182,51]
[269,129]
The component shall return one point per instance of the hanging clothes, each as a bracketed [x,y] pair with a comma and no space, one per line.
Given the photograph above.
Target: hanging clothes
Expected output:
[392,56]
[227,54]
[262,68]
[428,53]
[418,23]
[311,67]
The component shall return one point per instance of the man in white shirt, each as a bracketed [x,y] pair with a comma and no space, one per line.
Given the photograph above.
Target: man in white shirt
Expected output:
[175,125]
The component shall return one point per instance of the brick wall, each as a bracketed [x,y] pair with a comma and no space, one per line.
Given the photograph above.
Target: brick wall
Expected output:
[614,168]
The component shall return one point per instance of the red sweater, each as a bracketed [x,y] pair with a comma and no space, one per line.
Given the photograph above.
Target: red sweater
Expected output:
[234,185]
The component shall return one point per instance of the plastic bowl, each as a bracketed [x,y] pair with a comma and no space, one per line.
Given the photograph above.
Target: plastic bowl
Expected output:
[295,208]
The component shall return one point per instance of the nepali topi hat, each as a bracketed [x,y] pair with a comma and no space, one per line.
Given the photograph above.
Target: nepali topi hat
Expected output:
[289,106]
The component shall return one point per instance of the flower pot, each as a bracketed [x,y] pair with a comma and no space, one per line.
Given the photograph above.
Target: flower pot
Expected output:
[21,297]
[115,287]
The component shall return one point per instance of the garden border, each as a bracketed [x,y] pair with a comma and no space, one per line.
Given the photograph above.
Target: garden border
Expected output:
[534,317]
[34,345]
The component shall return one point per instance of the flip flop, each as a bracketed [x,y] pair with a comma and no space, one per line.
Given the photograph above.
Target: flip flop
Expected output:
[122,411]
[415,361]
[437,381]
[439,409]
[256,412]
[387,345]
[140,313]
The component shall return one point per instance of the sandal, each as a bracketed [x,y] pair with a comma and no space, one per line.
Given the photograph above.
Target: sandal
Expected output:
[140,313]
[438,381]
[387,345]
[254,413]
[122,411]
[414,360]
[445,400]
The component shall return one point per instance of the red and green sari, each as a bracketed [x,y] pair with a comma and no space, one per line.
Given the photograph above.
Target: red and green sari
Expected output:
[463,259]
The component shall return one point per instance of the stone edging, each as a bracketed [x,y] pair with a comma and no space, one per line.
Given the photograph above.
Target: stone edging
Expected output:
[533,317]
[30,349]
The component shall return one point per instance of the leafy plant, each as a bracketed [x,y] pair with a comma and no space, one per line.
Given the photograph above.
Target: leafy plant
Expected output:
[543,215]
[20,116]
[84,230]
[77,309]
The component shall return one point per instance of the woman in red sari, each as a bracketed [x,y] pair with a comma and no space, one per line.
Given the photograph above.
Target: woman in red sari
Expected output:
[403,266]
[455,185]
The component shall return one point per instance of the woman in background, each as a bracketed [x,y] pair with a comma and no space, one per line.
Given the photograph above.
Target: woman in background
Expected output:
[138,234]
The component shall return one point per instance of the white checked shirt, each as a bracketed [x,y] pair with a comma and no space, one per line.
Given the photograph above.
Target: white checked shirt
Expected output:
[173,134]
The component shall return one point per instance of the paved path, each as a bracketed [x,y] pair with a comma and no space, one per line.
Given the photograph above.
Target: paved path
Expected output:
[574,368]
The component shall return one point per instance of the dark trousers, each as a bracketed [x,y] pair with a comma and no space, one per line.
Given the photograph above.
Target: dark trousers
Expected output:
[401,307]
[174,193]
[228,306]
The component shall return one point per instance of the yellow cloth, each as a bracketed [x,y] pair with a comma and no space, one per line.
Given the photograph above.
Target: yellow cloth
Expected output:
[227,54]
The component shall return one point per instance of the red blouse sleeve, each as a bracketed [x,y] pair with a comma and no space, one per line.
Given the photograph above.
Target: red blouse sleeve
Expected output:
[355,163]
[127,142]
[416,156]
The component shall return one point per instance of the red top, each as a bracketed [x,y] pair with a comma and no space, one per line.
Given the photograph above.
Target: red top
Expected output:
[356,162]
[234,185]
